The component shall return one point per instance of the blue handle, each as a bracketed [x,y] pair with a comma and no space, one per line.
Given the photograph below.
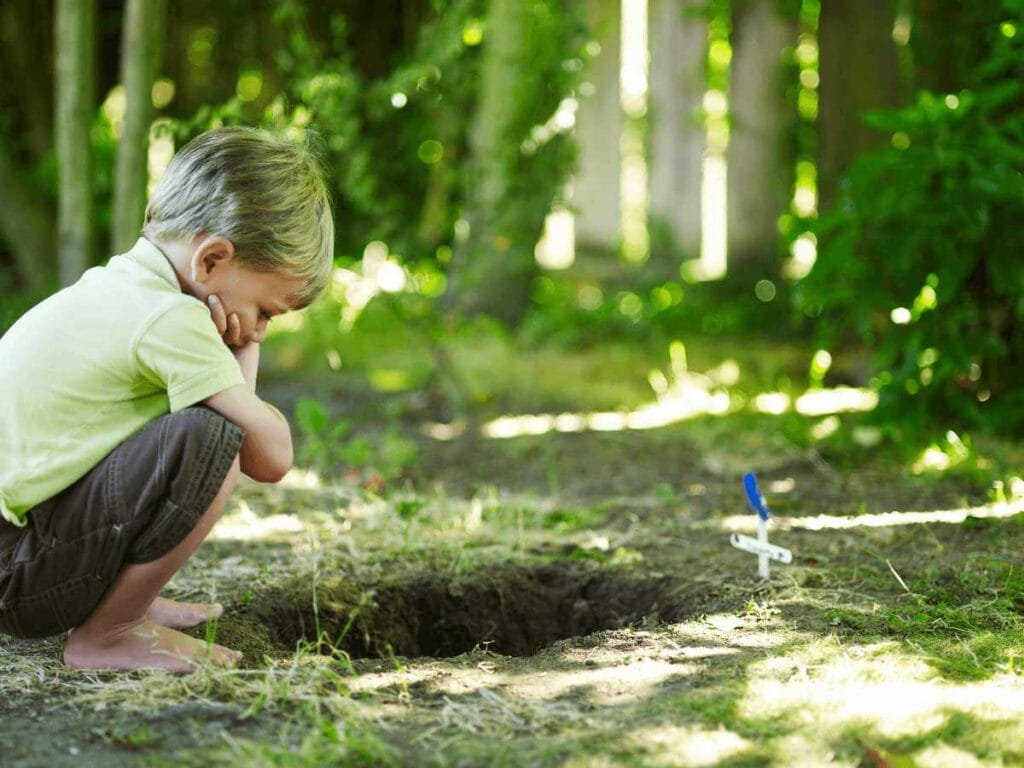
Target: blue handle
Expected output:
[754,496]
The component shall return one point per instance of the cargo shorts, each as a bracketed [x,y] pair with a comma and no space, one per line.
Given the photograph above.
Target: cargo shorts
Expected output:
[135,506]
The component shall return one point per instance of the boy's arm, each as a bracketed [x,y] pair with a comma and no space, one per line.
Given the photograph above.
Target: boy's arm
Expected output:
[266,453]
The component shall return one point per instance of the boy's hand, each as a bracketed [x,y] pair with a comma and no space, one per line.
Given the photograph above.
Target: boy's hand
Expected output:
[228,326]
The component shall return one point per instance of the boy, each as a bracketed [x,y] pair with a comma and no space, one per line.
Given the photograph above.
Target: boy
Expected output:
[128,405]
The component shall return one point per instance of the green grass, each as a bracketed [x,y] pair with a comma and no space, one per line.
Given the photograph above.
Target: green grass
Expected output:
[962,611]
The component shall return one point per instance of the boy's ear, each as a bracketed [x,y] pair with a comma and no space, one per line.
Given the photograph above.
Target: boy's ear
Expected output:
[210,252]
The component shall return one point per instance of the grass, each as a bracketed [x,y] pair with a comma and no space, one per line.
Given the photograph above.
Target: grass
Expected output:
[964,617]
[896,643]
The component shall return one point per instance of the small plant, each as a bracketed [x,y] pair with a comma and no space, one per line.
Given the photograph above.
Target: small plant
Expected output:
[328,447]
[322,442]
[210,631]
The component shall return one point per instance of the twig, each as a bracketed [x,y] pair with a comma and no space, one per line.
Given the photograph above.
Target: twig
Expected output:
[901,581]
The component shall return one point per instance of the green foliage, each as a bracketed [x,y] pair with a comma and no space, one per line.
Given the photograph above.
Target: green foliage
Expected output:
[13,305]
[370,143]
[396,138]
[328,447]
[646,307]
[920,259]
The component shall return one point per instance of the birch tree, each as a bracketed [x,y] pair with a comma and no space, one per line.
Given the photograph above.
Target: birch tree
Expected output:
[519,161]
[75,47]
[760,167]
[140,54]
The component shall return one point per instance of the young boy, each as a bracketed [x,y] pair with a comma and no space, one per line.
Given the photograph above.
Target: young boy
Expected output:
[128,405]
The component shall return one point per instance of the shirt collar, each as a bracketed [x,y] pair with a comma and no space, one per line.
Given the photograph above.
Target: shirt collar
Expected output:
[147,255]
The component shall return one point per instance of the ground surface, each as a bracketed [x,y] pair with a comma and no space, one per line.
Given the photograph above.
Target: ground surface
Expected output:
[571,598]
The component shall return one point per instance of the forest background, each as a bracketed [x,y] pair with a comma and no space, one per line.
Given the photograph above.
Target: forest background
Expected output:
[880,144]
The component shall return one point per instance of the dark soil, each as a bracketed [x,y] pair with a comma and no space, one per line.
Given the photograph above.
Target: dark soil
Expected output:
[508,608]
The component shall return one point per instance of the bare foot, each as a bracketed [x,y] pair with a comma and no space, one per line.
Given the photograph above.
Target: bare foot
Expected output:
[144,645]
[171,613]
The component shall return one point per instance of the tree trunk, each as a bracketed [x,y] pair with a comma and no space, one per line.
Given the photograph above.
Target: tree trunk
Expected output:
[949,39]
[760,167]
[858,71]
[678,44]
[140,53]
[75,86]
[26,50]
[493,267]
[599,133]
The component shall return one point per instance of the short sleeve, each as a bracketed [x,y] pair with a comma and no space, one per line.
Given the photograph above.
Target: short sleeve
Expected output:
[181,352]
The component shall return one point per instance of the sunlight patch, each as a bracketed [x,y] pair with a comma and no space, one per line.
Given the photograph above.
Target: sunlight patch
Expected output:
[297,477]
[668,410]
[246,525]
[775,403]
[689,747]
[686,399]
[896,694]
[821,402]
[744,523]
[944,756]
[444,432]
[617,683]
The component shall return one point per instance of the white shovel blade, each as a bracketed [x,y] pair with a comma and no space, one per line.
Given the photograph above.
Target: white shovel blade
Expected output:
[747,544]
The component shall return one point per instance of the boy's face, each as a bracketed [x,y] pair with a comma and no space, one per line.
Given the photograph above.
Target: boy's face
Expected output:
[255,297]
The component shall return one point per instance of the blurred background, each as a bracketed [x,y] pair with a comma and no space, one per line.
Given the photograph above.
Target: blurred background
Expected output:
[571,215]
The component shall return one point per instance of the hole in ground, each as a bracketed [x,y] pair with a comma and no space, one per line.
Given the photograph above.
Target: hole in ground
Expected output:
[512,609]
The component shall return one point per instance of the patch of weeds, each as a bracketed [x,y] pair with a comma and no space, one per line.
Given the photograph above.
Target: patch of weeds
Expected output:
[407,509]
[327,742]
[1013,524]
[140,737]
[966,623]
[859,621]
[565,520]
[517,519]
[756,758]
[952,731]
[620,557]
[328,446]
[712,706]
[210,631]
[666,493]
[982,738]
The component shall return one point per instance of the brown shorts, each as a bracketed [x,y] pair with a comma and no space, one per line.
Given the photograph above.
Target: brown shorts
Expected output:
[136,505]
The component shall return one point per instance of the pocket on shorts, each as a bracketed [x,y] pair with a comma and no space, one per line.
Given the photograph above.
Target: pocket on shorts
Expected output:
[168,527]
[54,611]
[60,586]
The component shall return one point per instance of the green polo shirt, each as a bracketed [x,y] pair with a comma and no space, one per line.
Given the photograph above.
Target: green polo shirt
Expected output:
[91,365]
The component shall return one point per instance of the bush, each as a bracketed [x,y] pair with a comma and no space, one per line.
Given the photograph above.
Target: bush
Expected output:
[921,259]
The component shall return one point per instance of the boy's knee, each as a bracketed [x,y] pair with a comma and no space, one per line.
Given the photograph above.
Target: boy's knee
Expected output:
[199,445]
[204,428]
[198,457]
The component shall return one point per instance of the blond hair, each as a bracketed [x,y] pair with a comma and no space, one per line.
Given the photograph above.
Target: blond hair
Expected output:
[266,195]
